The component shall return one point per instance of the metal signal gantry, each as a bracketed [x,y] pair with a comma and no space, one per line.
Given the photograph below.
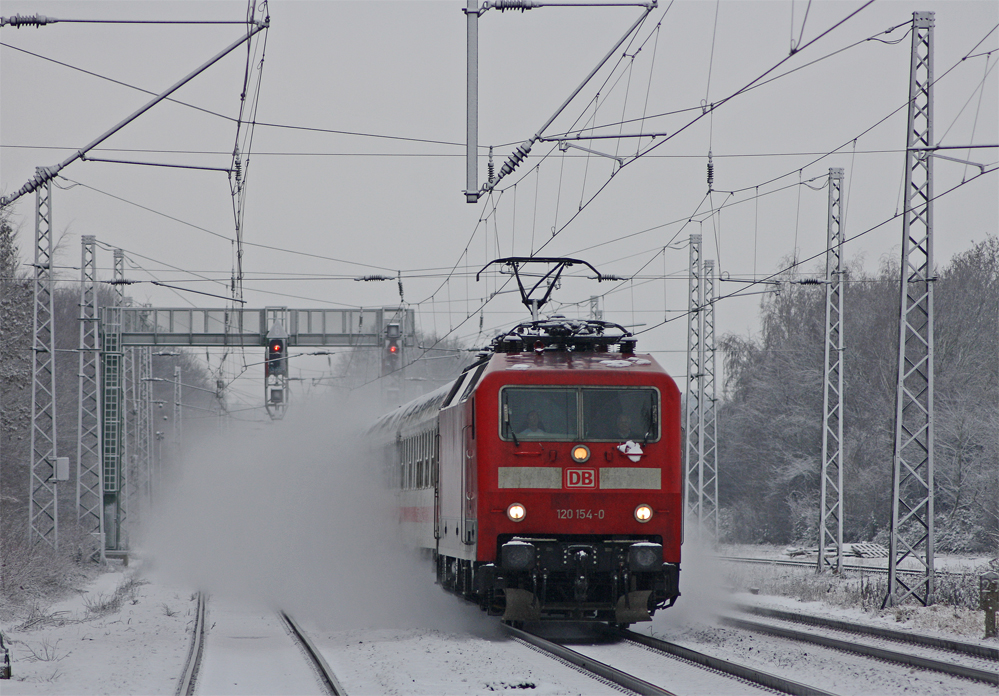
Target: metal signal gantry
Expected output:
[831,489]
[912,532]
[89,482]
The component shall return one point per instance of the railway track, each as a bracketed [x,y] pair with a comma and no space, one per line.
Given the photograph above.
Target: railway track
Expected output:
[193,664]
[750,674]
[811,564]
[596,668]
[196,651]
[725,670]
[947,644]
[315,657]
[948,657]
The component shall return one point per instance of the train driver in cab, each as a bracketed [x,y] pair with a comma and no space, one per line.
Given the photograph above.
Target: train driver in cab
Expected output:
[533,426]
[622,427]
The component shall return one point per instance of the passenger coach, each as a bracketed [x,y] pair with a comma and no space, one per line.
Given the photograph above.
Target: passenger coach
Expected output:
[545,481]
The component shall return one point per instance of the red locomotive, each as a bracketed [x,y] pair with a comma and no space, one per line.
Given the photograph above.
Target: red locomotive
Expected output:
[546,480]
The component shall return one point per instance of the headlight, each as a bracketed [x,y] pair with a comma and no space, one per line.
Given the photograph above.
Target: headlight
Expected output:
[643,513]
[516,512]
[645,556]
[580,453]
[517,555]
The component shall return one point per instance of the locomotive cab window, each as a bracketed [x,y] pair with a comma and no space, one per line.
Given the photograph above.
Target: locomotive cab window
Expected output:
[579,413]
[540,414]
[621,414]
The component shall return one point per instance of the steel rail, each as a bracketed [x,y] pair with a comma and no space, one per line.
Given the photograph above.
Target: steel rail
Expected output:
[889,634]
[194,654]
[989,677]
[588,664]
[318,661]
[750,674]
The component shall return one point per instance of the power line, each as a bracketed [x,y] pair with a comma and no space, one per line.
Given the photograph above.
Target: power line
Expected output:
[799,262]
[222,236]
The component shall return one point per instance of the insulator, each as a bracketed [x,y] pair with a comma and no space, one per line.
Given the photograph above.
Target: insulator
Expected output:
[237,165]
[810,281]
[711,171]
[516,158]
[28,21]
[491,168]
[504,5]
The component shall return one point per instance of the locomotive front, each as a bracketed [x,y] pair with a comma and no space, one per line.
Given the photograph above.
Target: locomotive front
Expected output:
[571,479]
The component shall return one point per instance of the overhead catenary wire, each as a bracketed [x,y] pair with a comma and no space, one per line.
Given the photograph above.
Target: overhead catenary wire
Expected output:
[222,236]
[556,230]
[798,262]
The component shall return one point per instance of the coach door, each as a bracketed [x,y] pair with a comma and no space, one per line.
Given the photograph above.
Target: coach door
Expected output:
[468,478]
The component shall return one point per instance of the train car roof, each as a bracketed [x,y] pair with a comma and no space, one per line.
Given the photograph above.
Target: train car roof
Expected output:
[561,360]
[418,409]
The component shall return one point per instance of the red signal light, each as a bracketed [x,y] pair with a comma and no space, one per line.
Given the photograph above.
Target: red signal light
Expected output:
[393,349]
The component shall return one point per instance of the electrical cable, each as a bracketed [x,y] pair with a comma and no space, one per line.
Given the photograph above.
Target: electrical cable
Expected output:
[556,230]
[834,151]
[711,56]
[772,79]
[801,34]
[380,136]
[222,236]
[799,262]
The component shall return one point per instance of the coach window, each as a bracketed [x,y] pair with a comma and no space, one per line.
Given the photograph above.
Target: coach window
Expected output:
[540,414]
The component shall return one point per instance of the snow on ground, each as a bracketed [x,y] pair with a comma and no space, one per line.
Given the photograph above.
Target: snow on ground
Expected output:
[830,670]
[799,589]
[248,650]
[677,676]
[86,645]
[443,646]
[439,663]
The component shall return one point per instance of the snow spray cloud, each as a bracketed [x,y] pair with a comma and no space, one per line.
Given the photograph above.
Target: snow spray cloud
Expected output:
[293,513]
[702,591]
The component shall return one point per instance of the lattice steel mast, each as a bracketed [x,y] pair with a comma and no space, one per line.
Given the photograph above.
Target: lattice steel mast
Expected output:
[124,365]
[693,413]
[912,534]
[146,420]
[142,428]
[709,412]
[178,425]
[89,483]
[43,499]
[831,493]
[112,415]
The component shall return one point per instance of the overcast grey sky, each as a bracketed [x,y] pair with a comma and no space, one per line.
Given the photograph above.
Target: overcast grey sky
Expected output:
[386,205]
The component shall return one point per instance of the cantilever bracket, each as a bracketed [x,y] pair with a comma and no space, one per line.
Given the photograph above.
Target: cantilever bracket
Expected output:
[563,146]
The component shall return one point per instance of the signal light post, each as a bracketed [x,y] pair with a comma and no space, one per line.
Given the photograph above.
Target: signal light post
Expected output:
[392,361]
[276,371]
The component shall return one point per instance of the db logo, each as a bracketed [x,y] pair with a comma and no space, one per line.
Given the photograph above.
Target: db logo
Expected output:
[580,478]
